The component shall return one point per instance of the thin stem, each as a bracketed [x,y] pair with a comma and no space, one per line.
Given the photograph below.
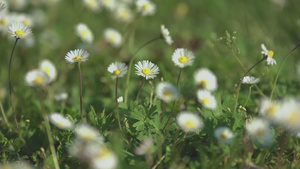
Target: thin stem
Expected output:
[80,90]
[239,86]
[139,92]
[9,81]
[117,104]
[277,74]
[131,62]
[178,78]
[282,148]
[48,129]
[248,96]
[3,113]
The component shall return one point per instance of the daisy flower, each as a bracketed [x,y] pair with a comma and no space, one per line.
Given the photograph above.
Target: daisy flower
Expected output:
[123,13]
[189,121]
[269,109]
[60,121]
[113,37]
[269,54]
[77,56]
[109,4]
[224,135]
[49,68]
[105,158]
[37,78]
[146,7]
[206,79]
[5,20]
[92,4]
[88,133]
[260,131]
[2,6]
[166,34]
[183,57]
[206,99]
[118,69]
[166,92]
[289,114]
[19,30]
[61,96]
[84,33]
[146,69]
[25,19]
[250,80]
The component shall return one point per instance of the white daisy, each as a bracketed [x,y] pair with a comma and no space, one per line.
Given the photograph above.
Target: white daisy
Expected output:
[120,99]
[166,91]
[37,78]
[61,96]
[5,20]
[105,158]
[92,4]
[189,121]
[49,68]
[25,19]
[206,79]
[260,131]
[146,7]
[206,99]
[113,37]
[84,33]
[183,57]
[123,13]
[146,69]
[166,34]
[269,54]
[60,121]
[118,69]
[2,6]
[224,135]
[269,109]
[289,114]
[88,133]
[19,30]
[109,4]
[77,56]
[250,80]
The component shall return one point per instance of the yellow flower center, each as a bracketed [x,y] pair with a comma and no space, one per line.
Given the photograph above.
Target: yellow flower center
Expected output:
[38,80]
[270,53]
[3,22]
[77,58]
[112,38]
[91,3]
[260,133]
[204,83]
[168,94]
[145,7]
[117,72]
[190,124]
[47,70]
[26,22]
[294,118]
[146,71]
[224,136]
[205,100]
[271,111]
[104,152]
[19,33]
[88,136]
[182,59]
[84,33]
[61,124]
[125,14]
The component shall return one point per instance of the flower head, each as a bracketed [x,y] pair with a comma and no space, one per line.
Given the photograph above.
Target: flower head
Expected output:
[166,91]
[61,96]
[189,121]
[183,57]
[206,79]
[77,56]
[269,109]
[84,33]
[19,30]
[109,4]
[88,133]
[206,99]
[250,80]
[113,37]
[120,99]
[224,135]
[166,34]
[118,69]
[60,121]
[104,158]
[49,68]
[289,114]
[92,4]
[269,54]
[146,69]
[260,131]
[146,7]
[37,78]
[123,13]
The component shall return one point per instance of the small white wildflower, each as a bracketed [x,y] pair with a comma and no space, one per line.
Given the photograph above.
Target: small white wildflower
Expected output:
[206,99]
[77,56]
[224,135]
[61,96]
[88,133]
[269,54]
[166,34]
[109,4]
[146,7]
[189,121]
[49,68]
[92,4]
[206,79]
[289,114]
[113,37]
[60,121]
[183,57]
[84,32]
[260,131]
[146,69]
[105,158]
[120,99]
[250,80]
[118,69]
[269,109]
[19,30]
[123,13]
[37,78]
[166,91]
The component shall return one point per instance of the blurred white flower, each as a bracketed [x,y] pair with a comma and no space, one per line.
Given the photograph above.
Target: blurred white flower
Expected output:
[289,114]
[25,19]
[269,109]
[49,68]
[166,91]
[120,99]
[92,4]
[105,158]
[123,13]
[260,131]
[113,37]
[19,30]
[224,135]
[206,99]
[189,121]
[61,96]
[206,79]
[37,78]
[77,56]
[60,121]
[84,33]
[183,57]
[144,146]
[146,7]
[118,69]
[166,34]
[5,21]
[88,133]
[250,80]
[146,69]
[269,54]
[109,4]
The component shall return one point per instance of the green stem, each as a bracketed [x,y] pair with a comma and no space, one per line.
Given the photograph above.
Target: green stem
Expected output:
[3,113]
[178,78]
[277,74]
[117,104]
[248,96]
[131,63]
[80,91]
[139,92]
